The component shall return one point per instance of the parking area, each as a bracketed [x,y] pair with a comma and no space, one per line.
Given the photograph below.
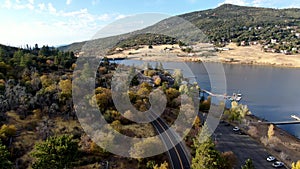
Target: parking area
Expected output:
[242,145]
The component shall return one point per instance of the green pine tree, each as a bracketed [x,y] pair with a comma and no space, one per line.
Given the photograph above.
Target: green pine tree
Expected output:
[248,164]
[55,152]
[5,163]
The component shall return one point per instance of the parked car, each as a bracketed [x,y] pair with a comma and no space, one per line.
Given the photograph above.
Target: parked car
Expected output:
[236,128]
[278,164]
[271,158]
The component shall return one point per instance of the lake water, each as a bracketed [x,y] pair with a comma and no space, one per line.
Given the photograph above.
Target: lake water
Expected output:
[270,93]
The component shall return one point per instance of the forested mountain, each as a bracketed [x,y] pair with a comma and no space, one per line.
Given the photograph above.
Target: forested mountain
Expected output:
[231,23]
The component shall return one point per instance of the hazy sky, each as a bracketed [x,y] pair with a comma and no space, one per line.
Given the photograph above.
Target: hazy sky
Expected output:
[60,22]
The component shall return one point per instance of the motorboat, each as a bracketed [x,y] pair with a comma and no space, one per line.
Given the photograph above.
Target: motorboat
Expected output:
[295,117]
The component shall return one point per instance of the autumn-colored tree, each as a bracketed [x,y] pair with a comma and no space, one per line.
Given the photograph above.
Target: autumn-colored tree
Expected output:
[48,84]
[237,112]
[184,89]
[205,105]
[157,81]
[116,125]
[164,165]
[230,160]
[102,97]
[146,85]
[172,94]
[271,131]
[197,122]
[143,92]
[66,90]
[7,131]
[296,165]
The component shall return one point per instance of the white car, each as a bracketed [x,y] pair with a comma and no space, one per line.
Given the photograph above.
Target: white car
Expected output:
[271,158]
[278,164]
[236,128]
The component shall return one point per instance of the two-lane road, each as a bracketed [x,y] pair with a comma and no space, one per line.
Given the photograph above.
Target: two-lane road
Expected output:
[179,157]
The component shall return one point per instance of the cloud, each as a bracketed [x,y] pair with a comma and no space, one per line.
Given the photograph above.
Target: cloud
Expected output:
[104,17]
[51,8]
[68,2]
[42,6]
[62,26]
[8,4]
[95,2]
[120,16]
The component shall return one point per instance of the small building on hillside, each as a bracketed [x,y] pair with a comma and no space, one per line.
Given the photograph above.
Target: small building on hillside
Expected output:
[273,41]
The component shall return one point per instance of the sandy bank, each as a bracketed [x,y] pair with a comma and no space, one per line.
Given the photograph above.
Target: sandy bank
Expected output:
[253,55]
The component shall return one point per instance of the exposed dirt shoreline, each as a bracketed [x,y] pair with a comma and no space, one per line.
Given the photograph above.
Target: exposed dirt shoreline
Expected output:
[232,54]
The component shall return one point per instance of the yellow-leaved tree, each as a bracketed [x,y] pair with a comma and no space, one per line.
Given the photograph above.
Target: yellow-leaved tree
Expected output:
[296,165]
[271,131]
[164,165]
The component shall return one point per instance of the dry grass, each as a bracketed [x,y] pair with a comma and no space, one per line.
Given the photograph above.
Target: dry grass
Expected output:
[255,55]
[140,130]
[241,55]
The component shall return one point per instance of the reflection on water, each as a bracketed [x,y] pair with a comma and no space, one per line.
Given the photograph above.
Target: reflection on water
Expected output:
[270,93]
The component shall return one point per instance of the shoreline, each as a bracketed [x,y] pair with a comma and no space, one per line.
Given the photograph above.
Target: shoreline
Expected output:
[282,145]
[247,55]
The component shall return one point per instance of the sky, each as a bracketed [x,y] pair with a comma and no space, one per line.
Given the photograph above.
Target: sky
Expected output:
[60,22]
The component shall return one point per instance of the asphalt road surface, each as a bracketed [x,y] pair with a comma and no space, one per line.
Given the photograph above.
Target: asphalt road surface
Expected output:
[243,146]
[177,155]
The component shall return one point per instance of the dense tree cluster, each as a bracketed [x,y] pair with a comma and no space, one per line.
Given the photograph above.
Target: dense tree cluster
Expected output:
[36,89]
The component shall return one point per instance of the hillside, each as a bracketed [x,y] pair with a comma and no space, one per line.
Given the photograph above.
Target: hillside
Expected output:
[224,24]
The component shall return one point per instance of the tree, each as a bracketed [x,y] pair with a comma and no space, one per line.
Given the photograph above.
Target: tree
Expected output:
[230,159]
[5,163]
[178,76]
[248,164]
[271,131]
[3,54]
[237,112]
[157,81]
[143,148]
[206,157]
[17,57]
[150,164]
[7,132]
[205,105]
[184,89]
[66,89]
[164,165]
[55,152]
[296,165]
